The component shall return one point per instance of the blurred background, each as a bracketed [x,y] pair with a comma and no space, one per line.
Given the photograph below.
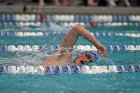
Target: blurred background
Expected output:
[89,3]
[70,6]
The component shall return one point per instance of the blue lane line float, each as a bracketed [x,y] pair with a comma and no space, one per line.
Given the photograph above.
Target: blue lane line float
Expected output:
[41,34]
[69,69]
[70,18]
[3,69]
[27,48]
[6,24]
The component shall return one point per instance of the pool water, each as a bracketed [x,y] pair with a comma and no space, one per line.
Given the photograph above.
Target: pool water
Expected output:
[74,83]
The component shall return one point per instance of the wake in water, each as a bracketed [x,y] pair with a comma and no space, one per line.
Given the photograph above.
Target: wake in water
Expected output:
[37,58]
[20,58]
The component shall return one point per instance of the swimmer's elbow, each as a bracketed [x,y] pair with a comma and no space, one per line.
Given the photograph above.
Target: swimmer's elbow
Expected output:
[77,30]
[78,26]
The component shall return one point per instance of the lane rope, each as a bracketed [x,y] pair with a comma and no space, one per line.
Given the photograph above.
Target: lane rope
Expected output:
[67,24]
[41,34]
[69,18]
[30,48]
[69,69]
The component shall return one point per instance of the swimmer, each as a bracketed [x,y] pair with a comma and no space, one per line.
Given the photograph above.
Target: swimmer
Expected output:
[65,53]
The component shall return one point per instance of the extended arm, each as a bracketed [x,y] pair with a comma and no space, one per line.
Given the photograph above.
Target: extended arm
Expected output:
[72,36]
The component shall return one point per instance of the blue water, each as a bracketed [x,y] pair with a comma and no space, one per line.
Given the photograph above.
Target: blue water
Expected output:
[76,83]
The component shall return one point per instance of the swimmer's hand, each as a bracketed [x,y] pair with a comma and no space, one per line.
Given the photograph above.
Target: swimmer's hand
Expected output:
[102,51]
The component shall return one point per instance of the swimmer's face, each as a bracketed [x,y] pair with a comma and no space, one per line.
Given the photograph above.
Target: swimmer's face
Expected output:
[83,58]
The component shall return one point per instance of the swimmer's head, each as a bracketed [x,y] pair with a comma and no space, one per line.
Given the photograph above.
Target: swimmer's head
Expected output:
[85,57]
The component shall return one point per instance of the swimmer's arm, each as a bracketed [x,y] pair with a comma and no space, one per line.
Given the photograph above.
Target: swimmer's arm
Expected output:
[71,38]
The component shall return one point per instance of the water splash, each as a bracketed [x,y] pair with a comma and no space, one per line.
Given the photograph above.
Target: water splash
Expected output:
[22,58]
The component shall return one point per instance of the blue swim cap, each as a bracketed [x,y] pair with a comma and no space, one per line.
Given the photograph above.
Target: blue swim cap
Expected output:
[95,56]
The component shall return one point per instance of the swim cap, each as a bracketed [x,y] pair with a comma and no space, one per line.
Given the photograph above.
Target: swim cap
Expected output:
[95,56]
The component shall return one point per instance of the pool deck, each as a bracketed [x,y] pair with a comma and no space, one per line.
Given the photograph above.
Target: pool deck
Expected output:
[69,10]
